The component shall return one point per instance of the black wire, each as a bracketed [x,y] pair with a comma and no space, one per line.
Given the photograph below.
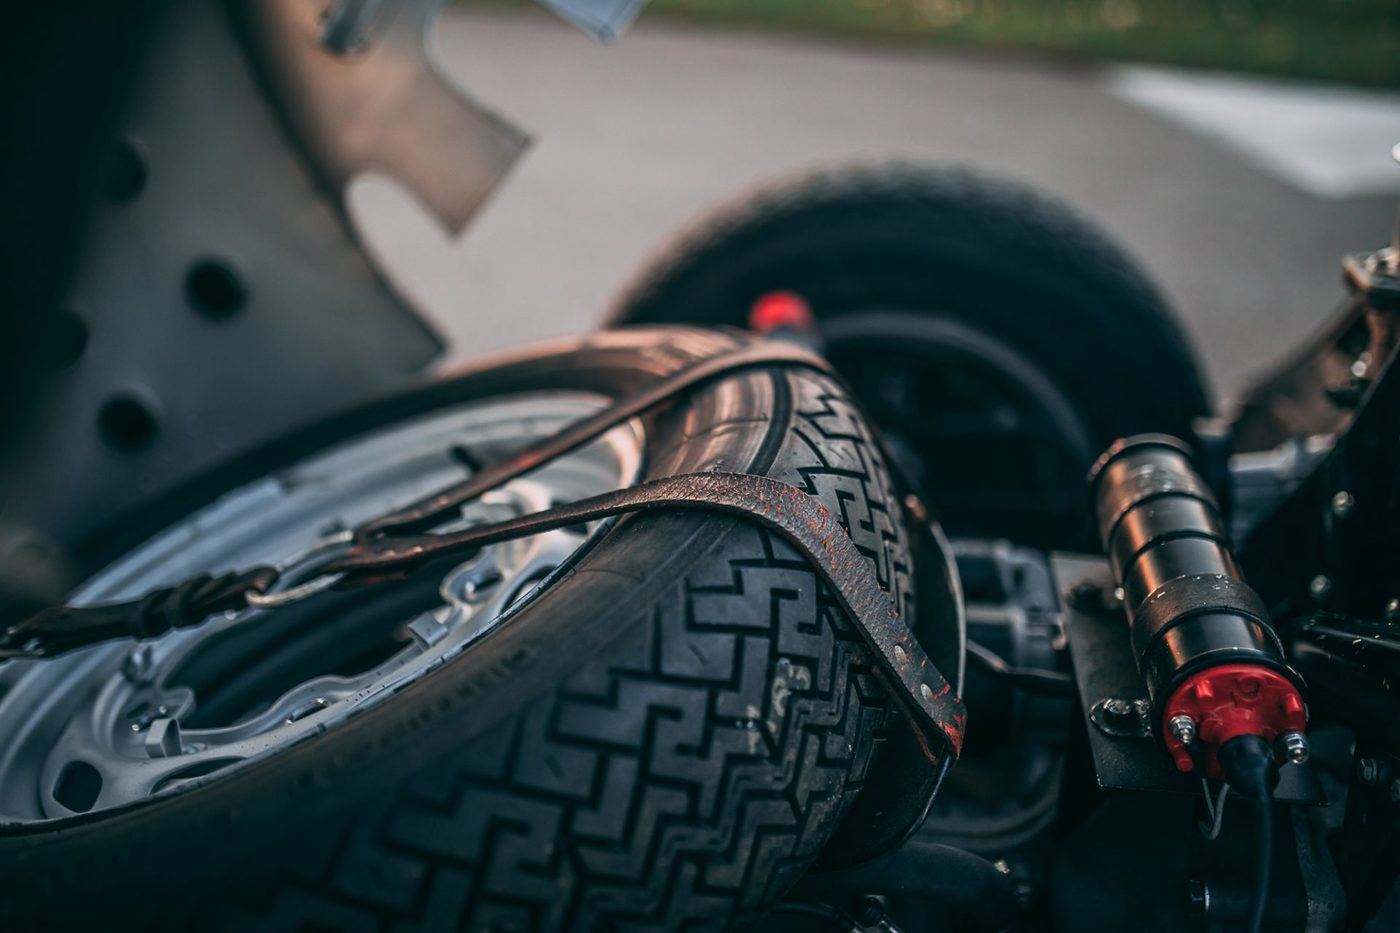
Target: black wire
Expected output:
[1248,763]
[1263,863]
[1030,679]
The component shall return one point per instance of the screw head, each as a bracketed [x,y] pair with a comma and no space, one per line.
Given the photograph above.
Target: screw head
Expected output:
[1392,610]
[1320,586]
[1342,504]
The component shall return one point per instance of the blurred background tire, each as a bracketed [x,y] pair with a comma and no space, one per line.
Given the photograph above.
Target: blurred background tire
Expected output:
[997,339]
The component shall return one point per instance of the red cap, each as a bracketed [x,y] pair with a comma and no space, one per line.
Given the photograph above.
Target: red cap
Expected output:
[781,310]
[1231,700]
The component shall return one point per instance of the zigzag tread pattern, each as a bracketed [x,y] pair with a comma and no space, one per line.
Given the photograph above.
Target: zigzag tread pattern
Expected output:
[682,783]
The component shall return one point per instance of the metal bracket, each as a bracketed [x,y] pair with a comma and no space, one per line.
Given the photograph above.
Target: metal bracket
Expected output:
[374,102]
[1122,719]
[219,301]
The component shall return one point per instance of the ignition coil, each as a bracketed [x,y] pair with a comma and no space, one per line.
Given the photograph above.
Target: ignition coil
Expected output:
[1213,667]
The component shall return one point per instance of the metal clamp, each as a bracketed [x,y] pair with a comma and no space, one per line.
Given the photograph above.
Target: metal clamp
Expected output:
[322,552]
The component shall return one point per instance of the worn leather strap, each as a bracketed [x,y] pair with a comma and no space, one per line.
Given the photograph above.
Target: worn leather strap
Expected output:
[924,694]
[388,546]
[63,628]
[445,503]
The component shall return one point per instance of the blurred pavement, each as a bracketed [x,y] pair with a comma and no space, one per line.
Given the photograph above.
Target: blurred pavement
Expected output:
[634,140]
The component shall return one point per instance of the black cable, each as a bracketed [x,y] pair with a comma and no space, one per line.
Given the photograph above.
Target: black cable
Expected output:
[1248,763]
[1030,679]
[1264,864]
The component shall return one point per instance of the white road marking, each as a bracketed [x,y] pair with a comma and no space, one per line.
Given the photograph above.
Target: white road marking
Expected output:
[1331,142]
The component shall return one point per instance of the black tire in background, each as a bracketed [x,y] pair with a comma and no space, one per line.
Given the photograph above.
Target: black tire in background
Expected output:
[999,340]
[664,738]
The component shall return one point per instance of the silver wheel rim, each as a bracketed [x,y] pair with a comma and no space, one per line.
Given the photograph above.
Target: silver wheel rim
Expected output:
[123,722]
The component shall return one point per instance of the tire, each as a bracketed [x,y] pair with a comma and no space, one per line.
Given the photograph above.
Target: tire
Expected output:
[664,737]
[894,257]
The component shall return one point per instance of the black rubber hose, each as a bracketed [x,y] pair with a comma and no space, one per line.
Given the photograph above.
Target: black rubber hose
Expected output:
[1248,763]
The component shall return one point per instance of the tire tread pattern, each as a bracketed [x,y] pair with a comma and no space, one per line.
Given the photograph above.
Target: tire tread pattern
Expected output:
[682,782]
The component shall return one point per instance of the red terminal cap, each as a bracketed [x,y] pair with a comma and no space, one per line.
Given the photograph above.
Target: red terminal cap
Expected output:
[781,310]
[1231,700]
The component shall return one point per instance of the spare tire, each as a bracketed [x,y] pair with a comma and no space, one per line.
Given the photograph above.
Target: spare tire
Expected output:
[998,339]
[659,732]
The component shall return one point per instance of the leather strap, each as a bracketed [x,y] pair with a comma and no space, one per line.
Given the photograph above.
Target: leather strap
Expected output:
[924,694]
[386,547]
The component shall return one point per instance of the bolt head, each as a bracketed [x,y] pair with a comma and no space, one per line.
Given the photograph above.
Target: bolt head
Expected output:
[1342,504]
[1117,708]
[1320,586]
[1392,610]
[1120,717]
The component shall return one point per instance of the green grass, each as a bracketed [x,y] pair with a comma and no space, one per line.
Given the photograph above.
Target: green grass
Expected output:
[1351,41]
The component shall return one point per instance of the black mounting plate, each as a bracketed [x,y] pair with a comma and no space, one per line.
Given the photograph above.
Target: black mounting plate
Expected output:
[1104,669]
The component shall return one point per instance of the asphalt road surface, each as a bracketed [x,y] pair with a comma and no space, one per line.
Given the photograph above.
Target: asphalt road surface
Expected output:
[1238,196]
